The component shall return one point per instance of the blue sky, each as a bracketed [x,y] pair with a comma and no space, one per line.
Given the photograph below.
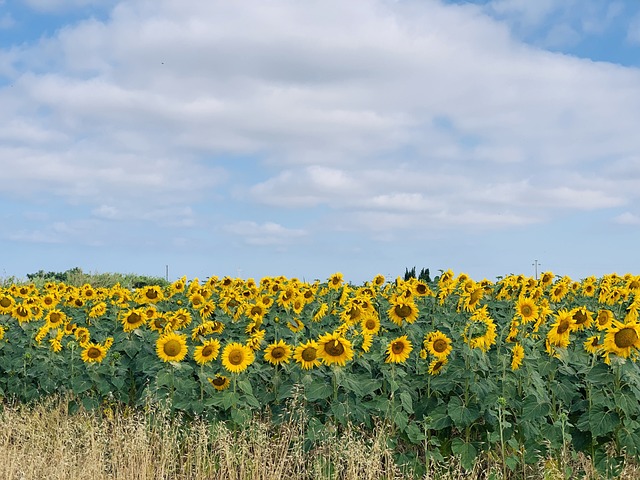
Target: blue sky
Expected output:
[305,138]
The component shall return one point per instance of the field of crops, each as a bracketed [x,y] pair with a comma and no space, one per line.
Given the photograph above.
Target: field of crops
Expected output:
[519,368]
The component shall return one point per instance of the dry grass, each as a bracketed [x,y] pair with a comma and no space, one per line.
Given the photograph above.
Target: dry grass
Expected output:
[44,442]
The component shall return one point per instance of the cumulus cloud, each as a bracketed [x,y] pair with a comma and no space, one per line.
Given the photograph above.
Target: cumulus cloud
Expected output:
[627,218]
[387,113]
[268,233]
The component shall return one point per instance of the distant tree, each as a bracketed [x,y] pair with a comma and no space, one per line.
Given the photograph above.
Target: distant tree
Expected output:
[409,273]
[424,275]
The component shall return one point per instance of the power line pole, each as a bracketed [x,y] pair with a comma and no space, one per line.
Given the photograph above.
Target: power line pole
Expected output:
[535,264]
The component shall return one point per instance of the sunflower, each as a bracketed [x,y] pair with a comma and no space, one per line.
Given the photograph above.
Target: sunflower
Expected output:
[546,279]
[149,294]
[295,325]
[277,353]
[7,303]
[306,355]
[582,318]
[132,319]
[333,348]
[93,353]
[435,367]
[558,335]
[604,319]
[438,344]
[256,311]
[403,309]
[3,330]
[236,357]
[219,382]
[559,291]
[55,318]
[526,309]
[367,341]
[172,347]
[82,335]
[480,330]
[470,300]
[321,312]
[378,280]
[398,350]
[335,280]
[21,313]
[370,325]
[180,318]
[207,351]
[98,310]
[592,344]
[47,301]
[517,356]
[178,286]
[622,338]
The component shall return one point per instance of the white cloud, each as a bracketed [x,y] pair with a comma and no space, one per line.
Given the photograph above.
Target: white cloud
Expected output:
[166,104]
[627,218]
[633,33]
[268,233]
[7,21]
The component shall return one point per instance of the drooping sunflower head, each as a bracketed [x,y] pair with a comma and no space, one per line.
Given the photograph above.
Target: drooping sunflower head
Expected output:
[398,350]
[334,349]
[236,357]
[277,353]
[517,356]
[592,344]
[436,366]
[219,382]
[378,280]
[172,347]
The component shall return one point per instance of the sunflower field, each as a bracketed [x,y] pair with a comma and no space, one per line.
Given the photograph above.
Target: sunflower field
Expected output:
[517,369]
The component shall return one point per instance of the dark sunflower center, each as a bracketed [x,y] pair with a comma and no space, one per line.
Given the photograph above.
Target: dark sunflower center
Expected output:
[526,310]
[197,301]
[402,311]
[309,354]
[579,317]
[207,351]
[277,353]
[151,294]
[256,310]
[634,285]
[133,318]
[94,352]
[475,296]
[334,348]
[5,302]
[219,381]
[440,345]
[370,324]
[55,318]
[563,327]
[22,311]
[47,301]
[603,318]
[236,357]
[172,348]
[626,337]
[78,302]
[397,347]
[421,289]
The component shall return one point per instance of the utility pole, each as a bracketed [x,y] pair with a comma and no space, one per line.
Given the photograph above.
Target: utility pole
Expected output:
[535,264]
[167,272]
